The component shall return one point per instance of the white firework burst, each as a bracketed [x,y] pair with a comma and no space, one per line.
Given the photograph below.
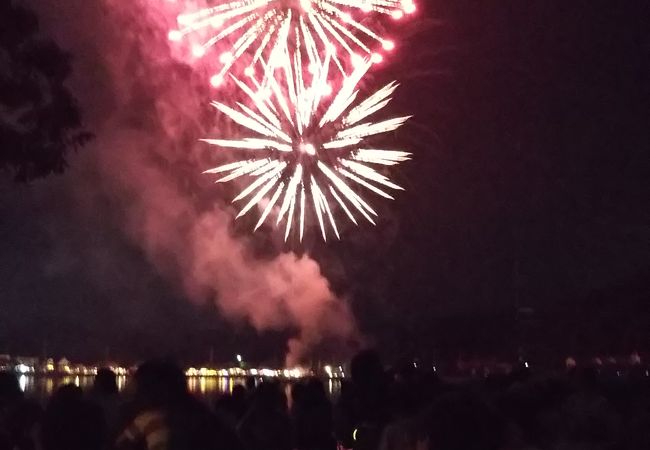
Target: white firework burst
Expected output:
[307,149]
[261,28]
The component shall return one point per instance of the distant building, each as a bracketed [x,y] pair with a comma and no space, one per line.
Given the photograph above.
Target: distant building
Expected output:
[5,362]
[63,366]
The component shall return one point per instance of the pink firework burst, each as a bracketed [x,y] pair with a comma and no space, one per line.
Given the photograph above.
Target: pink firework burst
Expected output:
[306,149]
[255,31]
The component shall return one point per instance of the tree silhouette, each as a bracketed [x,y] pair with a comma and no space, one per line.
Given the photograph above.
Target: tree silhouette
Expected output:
[39,118]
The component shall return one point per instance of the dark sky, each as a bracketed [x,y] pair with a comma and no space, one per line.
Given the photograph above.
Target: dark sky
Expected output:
[529,186]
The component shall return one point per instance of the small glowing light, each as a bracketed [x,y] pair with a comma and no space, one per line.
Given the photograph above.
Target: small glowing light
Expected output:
[308,148]
[397,14]
[408,6]
[198,51]
[249,71]
[526,364]
[376,58]
[356,60]
[305,4]
[238,358]
[216,80]
[226,57]
[328,371]
[388,45]
[22,368]
[354,434]
[175,35]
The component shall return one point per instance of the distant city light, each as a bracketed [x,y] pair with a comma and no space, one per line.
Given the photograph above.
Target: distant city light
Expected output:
[22,368]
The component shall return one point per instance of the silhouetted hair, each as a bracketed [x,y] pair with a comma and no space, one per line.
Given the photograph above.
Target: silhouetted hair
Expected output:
[9,387]
[462,421]
[366,367]
[158,383]
[105,382]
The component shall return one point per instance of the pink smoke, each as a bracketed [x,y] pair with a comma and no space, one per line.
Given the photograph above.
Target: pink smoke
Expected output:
[148,111]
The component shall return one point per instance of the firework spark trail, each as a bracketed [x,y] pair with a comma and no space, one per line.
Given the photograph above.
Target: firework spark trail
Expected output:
[309,152]
[261,28]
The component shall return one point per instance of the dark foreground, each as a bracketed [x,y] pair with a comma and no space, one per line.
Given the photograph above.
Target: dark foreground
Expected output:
[404,409]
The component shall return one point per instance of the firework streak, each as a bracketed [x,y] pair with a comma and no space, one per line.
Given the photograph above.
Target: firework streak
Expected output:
[257,30]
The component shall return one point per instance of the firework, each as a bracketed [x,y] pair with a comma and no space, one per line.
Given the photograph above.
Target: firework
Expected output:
[307,148]
[257,30]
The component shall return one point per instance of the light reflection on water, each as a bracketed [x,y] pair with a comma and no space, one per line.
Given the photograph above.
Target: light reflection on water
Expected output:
[41,388]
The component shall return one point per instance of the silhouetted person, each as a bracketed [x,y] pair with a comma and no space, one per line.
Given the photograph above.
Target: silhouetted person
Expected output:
[18,416]
[71,423]
[265,426]
[105,383]
[240,400]
[9,389]
[251,384]
[412,390]
[105,395]
[10,395]
[364,407]
[230,408]
[312,417]
[164,416]
[460,421]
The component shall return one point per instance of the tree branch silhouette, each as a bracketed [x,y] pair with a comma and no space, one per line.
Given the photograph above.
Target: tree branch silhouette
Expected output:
[40,121]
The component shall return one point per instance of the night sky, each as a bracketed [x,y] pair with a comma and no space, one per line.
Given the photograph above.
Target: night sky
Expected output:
[528,190]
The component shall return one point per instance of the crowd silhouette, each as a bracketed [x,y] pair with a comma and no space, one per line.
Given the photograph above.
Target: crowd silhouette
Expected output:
[404,408]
